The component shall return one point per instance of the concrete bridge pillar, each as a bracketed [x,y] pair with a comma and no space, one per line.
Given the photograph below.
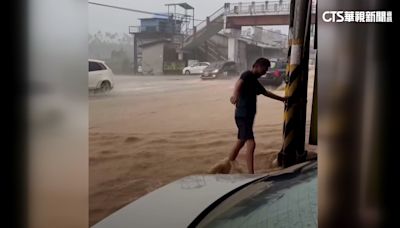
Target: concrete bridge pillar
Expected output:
[233,44]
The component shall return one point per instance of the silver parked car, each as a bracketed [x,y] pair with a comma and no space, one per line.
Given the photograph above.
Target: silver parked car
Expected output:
[196,68]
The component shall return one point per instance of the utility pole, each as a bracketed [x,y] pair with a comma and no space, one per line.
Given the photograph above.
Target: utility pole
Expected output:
[293,150]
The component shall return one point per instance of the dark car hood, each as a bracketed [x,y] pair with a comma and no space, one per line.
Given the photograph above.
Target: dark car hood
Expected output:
[209,70]
[214,66]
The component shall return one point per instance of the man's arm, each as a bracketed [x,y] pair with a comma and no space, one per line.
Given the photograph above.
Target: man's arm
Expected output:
[274,96]
[263,91]
[236,91]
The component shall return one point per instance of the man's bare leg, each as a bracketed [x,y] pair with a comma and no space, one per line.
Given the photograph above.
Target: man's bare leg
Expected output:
[251,146]
[235,151]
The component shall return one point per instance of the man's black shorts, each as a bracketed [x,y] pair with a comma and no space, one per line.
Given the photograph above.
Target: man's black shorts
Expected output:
[245,127]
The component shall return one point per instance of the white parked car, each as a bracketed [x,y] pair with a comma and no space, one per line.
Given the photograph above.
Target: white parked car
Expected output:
[196,68]
[101,76]
[284,198]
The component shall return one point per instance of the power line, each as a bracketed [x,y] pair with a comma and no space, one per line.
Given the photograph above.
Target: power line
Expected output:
[138,11]
[128,9]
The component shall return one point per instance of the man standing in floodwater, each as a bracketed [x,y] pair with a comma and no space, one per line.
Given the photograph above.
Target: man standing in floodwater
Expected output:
[245,98]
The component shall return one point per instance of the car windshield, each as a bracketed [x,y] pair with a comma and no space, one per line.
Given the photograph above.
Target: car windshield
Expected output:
[215,65]
[277,202]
